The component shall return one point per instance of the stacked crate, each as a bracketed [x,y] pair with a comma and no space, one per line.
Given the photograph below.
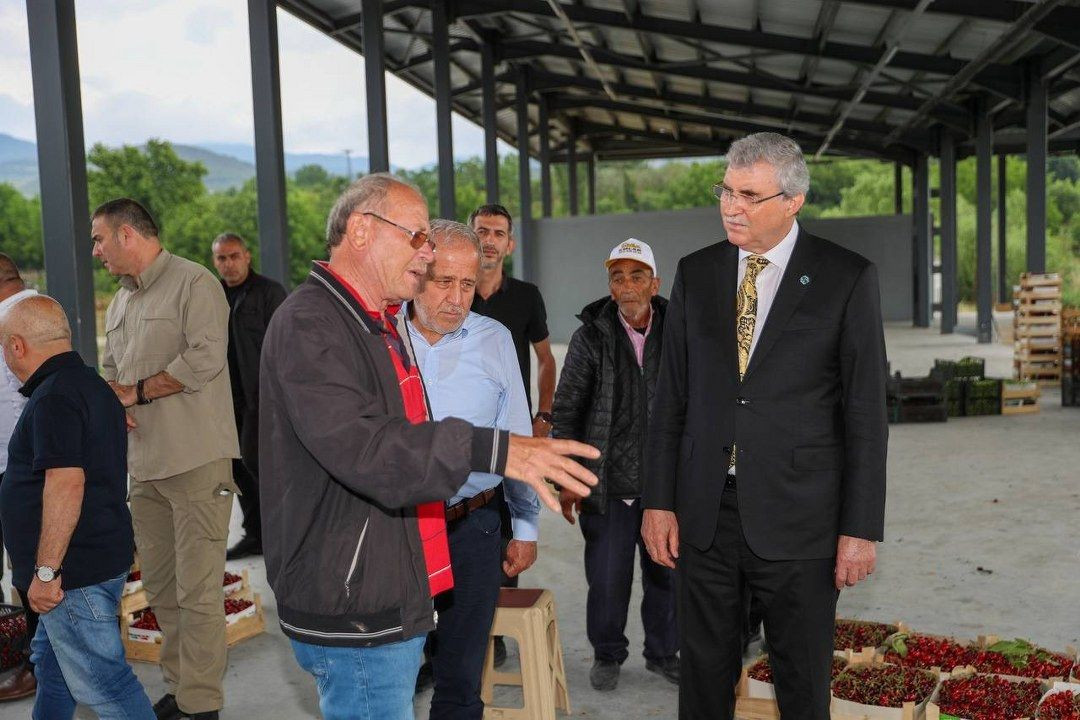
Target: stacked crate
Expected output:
[1019,397]
[142,638]
[967,392]
[1070,362]
[916,400]
[1037,328]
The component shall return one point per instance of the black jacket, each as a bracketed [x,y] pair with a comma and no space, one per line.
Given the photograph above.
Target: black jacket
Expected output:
[343,470]
[808,418]
[259,297]
[603,398]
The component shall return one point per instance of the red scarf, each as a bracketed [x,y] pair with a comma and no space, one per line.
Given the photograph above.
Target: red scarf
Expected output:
[431,517]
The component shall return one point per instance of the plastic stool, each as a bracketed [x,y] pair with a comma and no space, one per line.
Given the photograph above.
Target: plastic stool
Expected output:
[528,616]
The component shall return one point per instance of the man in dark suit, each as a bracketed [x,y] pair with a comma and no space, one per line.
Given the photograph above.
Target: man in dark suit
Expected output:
[766,459]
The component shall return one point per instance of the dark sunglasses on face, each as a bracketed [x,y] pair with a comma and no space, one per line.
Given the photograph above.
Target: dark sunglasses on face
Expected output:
[417,238]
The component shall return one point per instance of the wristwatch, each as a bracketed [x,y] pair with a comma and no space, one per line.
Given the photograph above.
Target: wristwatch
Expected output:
[45,573]
[545,416]
[140,394]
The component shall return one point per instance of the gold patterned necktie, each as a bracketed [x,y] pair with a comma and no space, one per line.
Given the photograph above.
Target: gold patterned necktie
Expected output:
[746,310]
[746,317]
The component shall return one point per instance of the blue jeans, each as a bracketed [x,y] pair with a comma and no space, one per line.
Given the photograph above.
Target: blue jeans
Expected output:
[364,683]
[459,644]
[78,658]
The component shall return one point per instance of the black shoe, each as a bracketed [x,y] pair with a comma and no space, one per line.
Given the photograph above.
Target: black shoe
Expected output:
[167,709]
[246,547]
[500,652]
[668,667]
[212,715]
[604,675]
[425,678]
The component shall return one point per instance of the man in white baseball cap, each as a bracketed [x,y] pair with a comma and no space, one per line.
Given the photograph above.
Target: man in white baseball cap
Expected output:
[604,394]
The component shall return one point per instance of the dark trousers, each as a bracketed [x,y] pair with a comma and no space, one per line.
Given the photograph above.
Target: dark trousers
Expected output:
[798,602]
[459,642]
[610,542]
[246,470]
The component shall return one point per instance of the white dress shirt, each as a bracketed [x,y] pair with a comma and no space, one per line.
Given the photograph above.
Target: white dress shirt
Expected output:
[11,402]
[768,280]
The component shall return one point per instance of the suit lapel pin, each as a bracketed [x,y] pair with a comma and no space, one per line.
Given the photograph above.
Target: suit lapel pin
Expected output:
[805,279]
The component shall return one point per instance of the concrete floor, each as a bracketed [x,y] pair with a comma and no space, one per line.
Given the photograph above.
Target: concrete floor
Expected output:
[982,536]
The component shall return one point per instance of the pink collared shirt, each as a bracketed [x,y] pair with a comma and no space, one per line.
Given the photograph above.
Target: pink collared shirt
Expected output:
[637,340]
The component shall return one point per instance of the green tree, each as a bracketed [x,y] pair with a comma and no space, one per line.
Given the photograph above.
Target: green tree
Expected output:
[20,228]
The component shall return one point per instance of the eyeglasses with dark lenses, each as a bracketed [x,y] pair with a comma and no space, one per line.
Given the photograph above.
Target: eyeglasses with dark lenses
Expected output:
[417,238]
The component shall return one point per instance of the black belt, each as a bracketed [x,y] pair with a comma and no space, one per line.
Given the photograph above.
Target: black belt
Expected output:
[460,509]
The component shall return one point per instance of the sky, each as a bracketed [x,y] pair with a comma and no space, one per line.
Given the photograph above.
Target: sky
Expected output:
[179,70]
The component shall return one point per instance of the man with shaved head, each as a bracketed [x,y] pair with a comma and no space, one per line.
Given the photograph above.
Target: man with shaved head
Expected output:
[21,683]
[64,507]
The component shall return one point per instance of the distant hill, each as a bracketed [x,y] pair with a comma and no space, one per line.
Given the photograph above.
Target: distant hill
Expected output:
[227,164]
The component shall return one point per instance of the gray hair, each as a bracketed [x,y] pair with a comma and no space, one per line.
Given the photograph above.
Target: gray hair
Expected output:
[365,195]
[780,151]
[445,233]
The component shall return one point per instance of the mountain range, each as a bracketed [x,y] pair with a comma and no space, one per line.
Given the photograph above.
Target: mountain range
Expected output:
[227,164]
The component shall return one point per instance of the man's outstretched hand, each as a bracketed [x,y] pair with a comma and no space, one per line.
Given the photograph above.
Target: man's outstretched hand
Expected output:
[538,461]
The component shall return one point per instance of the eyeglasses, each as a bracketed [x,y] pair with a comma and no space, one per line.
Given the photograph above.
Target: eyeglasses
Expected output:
[417,238]
[727,195]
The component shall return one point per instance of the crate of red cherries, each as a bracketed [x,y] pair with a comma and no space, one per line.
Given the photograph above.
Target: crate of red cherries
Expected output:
[141,632]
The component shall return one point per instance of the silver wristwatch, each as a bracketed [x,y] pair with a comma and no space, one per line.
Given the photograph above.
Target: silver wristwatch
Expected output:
[46,574]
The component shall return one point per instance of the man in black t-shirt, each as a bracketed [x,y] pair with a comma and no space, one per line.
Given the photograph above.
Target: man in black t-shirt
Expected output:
[516,304]
[66,521]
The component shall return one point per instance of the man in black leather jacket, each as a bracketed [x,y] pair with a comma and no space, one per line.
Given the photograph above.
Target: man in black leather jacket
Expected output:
[603,398]
[253,298]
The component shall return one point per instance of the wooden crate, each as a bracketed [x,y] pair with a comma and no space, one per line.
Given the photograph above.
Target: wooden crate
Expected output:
[136,601]
[235,633]
[1019,398]
[1030,279]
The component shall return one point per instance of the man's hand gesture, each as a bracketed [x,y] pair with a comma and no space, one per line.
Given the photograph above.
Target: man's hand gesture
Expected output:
[538,461]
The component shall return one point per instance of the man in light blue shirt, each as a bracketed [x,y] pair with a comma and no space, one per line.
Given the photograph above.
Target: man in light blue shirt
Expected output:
[470,370]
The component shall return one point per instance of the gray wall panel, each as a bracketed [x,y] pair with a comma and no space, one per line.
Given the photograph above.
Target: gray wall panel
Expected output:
[570,253]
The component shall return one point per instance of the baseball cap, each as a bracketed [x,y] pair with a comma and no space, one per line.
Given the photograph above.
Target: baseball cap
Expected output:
[633,249]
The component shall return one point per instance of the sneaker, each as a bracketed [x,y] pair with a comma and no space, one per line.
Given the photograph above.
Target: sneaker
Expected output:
[246,547]
[167,709]
[604,675]
[668,668]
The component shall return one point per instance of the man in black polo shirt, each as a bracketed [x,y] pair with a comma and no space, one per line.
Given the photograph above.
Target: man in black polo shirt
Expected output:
[65,516]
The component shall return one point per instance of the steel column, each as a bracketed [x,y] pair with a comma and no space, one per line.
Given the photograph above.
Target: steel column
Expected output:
[984,283]
[269,149]
[65,215]
[1036,169]
[947,197]
[522,267]
[440,49]
[375,84]
[923,247]
[571,169]
[898,188]
[491,150]
[1003,232]
[543,134]
[591,182]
